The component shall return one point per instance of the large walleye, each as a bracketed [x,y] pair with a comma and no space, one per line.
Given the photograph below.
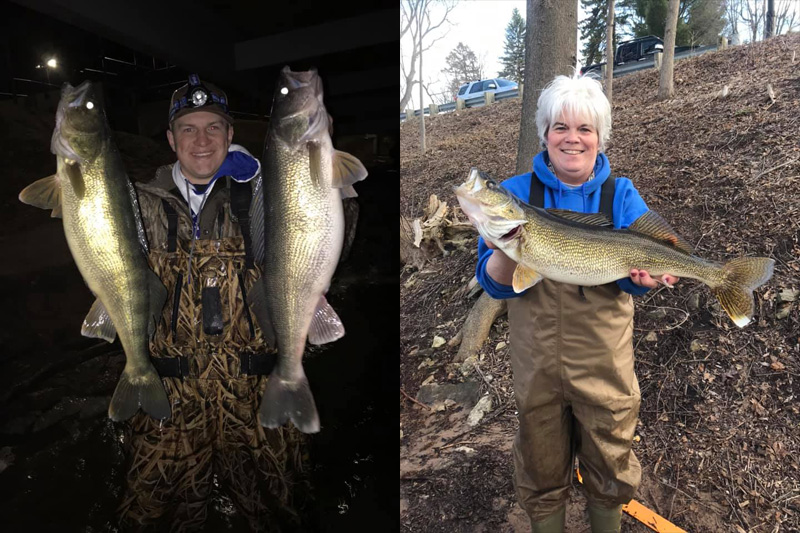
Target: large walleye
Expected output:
[104,231]
[304,181]
[582,249]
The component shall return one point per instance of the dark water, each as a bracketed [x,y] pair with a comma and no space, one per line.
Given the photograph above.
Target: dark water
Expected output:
[63,467]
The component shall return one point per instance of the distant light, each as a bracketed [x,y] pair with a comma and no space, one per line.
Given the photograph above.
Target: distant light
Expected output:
[52,62]
[284,90]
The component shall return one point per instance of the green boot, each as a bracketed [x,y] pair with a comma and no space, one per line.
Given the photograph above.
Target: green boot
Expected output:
[552,524]
[604,520]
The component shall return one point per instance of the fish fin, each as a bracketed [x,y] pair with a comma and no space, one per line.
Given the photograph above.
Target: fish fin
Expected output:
[741,277]
[145,391]
[348,192]
[76,179]
[45,194]
[524,278]
[97,324]
[591,219]
[158,297]
[257,220]
[315,163]
[652,225]
[137,215]
[347,169]
[285,400]
[326,326]
[256,298]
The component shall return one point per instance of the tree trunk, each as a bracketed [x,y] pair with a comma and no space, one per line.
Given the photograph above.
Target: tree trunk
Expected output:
[770,26]
[665,87]
[551,41]
[424,7]
[610,50]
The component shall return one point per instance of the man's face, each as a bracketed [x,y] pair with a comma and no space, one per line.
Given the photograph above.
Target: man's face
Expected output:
[200,140]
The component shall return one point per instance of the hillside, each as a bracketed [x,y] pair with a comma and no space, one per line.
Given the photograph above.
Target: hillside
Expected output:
[718,436]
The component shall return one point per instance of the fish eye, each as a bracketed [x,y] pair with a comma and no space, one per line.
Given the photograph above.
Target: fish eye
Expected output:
[284,90]
[491,184]
[89,105]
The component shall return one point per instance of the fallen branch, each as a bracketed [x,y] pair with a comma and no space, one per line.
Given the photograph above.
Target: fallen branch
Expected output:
[415,401]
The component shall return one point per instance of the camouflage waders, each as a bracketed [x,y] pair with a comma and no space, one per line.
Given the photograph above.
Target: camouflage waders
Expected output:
[213,436]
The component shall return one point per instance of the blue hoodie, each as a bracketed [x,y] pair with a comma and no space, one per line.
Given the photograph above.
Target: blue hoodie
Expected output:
[628,206]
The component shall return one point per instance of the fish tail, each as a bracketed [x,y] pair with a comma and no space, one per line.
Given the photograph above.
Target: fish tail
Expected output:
[289,400]
[144,391]
[740,277]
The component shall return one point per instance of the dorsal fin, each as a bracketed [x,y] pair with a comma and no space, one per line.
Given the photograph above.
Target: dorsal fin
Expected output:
[591,219]
[652,225]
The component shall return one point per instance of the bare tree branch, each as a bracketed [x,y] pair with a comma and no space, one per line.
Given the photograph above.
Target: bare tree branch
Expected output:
[416,21]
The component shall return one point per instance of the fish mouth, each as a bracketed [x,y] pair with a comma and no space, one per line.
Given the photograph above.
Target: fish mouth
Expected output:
[68,123]
[511,235]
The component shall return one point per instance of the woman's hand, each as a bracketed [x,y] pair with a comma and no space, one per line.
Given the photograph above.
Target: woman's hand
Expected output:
[500,267]
[643,279]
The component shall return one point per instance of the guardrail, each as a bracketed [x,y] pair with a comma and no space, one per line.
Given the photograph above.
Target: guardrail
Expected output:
[619,71]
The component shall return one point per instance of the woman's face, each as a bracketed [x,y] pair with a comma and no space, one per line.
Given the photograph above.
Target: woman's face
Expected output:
[572,146]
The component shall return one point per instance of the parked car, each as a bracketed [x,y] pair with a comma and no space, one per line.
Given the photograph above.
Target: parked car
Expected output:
[478,88]
[635,50]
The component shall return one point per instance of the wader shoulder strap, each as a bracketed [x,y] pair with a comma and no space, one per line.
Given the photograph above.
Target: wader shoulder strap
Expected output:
[172,226]
[537,191]
[241,195]
[536,197]
[607,197]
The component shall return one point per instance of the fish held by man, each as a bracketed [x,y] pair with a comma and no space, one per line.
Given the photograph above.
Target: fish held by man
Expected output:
[304,181]
[583,249]
[91,192]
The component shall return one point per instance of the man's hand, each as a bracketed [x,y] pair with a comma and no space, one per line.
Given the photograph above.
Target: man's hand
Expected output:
[643,279]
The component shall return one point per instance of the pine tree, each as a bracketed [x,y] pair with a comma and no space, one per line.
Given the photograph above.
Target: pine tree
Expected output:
[593,28]
[513,59]
[462,66]
[593,31]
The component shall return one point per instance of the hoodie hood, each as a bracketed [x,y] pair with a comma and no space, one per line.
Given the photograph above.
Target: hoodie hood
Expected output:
[601,172]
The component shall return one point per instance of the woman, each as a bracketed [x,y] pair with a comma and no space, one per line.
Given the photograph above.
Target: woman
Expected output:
[571,347]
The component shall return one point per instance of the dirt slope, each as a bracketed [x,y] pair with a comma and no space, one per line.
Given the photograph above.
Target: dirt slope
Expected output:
[718,436]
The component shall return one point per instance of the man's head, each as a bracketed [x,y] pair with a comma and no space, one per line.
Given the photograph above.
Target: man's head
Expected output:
[200,129]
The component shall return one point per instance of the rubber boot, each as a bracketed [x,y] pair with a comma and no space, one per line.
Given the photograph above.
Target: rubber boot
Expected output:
[552,524]
[604,520]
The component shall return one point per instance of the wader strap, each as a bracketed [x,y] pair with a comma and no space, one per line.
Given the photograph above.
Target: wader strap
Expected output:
[220,222]
[607,197]
[607,190]
[171,367]
[241,195]
[176,303]
[257,364]
[172,226]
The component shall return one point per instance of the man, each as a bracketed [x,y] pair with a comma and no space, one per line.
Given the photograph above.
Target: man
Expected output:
[207,347]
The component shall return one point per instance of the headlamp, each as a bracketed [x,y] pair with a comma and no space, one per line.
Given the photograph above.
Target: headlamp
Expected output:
[197,95]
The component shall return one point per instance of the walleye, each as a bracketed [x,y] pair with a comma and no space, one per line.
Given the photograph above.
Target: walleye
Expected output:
[304,181]
[91,192]
[582,249]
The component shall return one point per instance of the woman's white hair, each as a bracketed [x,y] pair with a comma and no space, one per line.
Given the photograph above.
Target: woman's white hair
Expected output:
[576,96]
